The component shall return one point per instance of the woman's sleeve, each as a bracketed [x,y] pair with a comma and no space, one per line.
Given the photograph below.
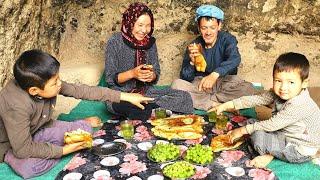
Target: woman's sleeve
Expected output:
[154,60]
[111,64]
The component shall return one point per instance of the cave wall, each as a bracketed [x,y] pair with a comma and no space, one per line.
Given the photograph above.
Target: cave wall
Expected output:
[75,31]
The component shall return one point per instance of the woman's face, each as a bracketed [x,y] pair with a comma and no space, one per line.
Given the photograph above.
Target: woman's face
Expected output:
[142,27]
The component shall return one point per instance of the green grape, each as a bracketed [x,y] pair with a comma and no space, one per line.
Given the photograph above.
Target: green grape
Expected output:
[199,154]
[180,169]
[163,152]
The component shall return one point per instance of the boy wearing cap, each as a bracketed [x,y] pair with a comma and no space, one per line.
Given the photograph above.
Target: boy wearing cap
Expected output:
[218,82]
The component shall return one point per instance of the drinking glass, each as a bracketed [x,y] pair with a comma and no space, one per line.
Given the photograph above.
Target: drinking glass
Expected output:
[221,122]
[127,129]
[161,113]
[212,116]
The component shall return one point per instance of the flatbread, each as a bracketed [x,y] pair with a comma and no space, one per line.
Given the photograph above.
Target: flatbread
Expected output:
[78,135]
[178,127]
[223,142]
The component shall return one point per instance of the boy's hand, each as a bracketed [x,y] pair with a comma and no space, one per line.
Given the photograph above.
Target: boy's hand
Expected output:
[70,148]
[135,99]
[223,107]
[94,121]
[237,133]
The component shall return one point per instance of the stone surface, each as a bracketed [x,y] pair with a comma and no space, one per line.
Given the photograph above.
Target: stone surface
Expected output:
[76,31]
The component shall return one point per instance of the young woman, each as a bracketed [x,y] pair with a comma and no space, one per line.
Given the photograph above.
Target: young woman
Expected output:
[132,65]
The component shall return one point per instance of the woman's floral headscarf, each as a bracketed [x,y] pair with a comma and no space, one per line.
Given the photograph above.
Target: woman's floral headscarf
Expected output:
[130,17]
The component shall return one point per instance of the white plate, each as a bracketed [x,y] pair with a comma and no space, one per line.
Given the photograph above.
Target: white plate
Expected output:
[112,121]
[145,146]
[97,142]
[119,134]
[120,140]
[72,176]
[101,174]
[134,178]
[235,171]
[110,161]
[163,165]
[162,141]
[156,177]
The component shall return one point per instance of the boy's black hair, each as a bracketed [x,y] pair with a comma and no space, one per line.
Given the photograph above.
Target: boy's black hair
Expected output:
[291,61]
[34,68]
[207,18]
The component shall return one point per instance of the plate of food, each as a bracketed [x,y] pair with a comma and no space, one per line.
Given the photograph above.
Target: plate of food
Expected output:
[178,127]
[223,142]
[109,148]
[199,154]
[179,170]
[161,153]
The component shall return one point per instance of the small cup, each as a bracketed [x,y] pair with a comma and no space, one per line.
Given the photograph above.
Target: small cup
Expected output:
[212,116]
[127,129]
[161,113]
[221,122]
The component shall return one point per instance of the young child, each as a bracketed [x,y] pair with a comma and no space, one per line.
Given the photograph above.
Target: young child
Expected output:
[30,141]
[292,134]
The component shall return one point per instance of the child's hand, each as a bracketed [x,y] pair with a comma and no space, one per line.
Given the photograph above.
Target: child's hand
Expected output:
[94,121]
[223,107]
[70,148]
[237,133]
[135,99]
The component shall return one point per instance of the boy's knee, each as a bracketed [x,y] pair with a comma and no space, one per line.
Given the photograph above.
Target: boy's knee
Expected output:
[258,141]
[29,167]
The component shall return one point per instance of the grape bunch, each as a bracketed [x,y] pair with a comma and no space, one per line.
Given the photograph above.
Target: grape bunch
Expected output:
[180,169]
[163,152]
[199,154]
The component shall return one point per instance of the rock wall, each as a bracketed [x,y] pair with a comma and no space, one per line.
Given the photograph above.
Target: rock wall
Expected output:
[75,31]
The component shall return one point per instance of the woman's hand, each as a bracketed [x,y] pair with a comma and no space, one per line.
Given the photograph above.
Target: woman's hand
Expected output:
[223,107]
[135,99]
[70,148]
[144,75]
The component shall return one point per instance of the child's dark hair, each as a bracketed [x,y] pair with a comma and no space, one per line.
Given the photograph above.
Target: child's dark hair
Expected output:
[34,68]
[207,18]
[292,61]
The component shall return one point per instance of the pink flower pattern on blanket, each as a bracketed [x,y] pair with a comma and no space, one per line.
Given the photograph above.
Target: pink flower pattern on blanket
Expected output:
[142,134]
[131,165]
[217,131]
[238,119]
[261,174]
[75,162]
[228,157]
[130,157]
[195,141]
[99,133]
[201,172]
